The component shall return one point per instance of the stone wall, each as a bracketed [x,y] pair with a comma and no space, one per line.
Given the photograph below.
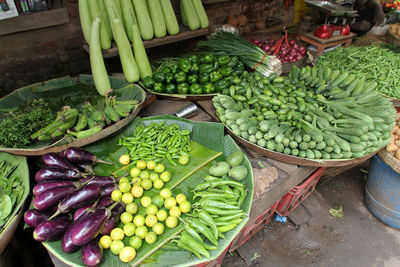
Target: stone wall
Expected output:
[42,54]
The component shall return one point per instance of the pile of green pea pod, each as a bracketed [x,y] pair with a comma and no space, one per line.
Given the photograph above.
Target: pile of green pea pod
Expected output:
[217,211]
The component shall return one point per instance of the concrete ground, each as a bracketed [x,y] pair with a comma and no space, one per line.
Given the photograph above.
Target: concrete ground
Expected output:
[357,239]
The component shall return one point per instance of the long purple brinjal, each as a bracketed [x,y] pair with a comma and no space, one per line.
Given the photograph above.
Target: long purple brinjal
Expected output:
[51,230]
[78,155]
[66,242]
[81,197]
[49,198]
[44,186]
[35,217]
[112,222]
[106,191]
[56,173]
[55,160]
[101,181]
[86,168]
[103,202]
[92,253]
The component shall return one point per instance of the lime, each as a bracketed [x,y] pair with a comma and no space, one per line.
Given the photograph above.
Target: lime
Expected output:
[151,220]
[165,176]
[137,191]
[158,184]
[166,193]
[150,238]
[117,234]
[185,206]
[124,159]
[124,187]
[116,246]
[105,241]
[126,217]
[141,164]
[134,172]
[116,195]
[127,198]
[158,228]
[146,184]
[151,164]
[127,254]
[162,215]
[159,168]
[129,229]
[123,180]
[153,176]
[141,231]
[135,242]
[144,175]
[175,211]
[158,201]
[136,181]
[145,201]
[138,220]
[169,203]
[132,208]
[180,198]
[171,222]
[151,209]
[183,160]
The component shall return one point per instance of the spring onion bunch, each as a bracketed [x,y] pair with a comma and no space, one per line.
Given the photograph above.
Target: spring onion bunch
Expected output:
[250,54]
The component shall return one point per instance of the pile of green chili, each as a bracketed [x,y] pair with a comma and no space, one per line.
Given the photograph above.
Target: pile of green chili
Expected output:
[157,142]
[218,210]
[371,63]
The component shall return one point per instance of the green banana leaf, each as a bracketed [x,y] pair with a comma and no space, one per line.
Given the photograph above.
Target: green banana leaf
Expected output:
[209,143]
[22,173]
[64,91]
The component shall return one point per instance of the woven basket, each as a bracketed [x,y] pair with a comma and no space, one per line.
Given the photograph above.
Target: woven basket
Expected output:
[389,159]
[392,38]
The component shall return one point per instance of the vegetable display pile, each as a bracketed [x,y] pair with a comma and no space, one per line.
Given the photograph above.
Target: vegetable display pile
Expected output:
[16,128]
[234,45]
[11,191]
[157,142]
[70,206]
[218,209]
[85,120]
[205,74]
[369,63]
[394,145]
[394,29]
[313,113]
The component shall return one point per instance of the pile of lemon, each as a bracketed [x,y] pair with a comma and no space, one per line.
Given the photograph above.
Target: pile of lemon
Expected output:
[160,209]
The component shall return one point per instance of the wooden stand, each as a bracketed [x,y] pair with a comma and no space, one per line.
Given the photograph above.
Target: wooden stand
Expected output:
[321,44]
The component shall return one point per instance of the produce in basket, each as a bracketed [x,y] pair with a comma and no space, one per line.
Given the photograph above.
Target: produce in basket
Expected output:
[313,113]
[394,145]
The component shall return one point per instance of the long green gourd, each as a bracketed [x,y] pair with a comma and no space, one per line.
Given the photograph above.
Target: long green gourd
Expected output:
[105,37]
[169,16]
[183,18]
[201,13]
[117,4]
[99,72]
[85,19]
[140,53]
[106,19]
[128,17]
[192,19]
[157,18]
[143,19]
[129,66]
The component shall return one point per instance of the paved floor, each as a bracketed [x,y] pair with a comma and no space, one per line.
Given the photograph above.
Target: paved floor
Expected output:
[357,239]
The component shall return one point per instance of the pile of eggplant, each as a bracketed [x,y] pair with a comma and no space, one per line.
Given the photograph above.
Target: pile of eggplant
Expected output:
[72,204]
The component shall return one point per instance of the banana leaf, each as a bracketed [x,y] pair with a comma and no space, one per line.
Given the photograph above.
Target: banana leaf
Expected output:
[209,144]
[21,173]
[73,92]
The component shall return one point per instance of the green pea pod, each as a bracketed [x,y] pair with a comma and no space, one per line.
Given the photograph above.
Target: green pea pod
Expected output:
[204,230]
[203,215]
[226,228]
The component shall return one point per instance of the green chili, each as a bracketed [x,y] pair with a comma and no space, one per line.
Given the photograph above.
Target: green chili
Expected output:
[203,215]
[230,217]
[188,240]
[226,228]
[188,248]
[217,204]
[204,230]
[219,211]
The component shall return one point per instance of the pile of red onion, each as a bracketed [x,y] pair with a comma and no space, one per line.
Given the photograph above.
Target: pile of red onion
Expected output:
[286,54]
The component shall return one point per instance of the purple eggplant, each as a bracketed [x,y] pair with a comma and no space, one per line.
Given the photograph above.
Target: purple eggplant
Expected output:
[112,222]
[55,160]
[84,231]
[56,173]
[85,168]
[49,198]
[92,253]
[78,212]
[102,181]
[51,230]
[66,242]
[35,217]
[106,191]
[104,202]
[44,186]
[81,197]
[78,155]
